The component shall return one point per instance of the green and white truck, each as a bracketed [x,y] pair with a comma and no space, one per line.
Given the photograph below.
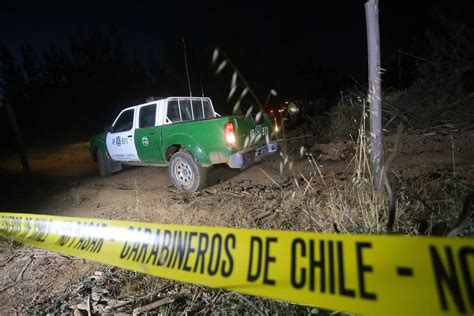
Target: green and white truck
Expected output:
[185,134]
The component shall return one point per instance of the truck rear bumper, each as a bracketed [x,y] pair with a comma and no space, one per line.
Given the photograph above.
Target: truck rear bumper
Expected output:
[245,158]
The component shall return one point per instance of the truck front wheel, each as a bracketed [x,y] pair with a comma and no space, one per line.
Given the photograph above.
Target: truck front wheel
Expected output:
[104,166]
[185,173]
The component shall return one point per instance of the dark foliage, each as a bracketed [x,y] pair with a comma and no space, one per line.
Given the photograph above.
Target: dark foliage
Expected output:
[63,94]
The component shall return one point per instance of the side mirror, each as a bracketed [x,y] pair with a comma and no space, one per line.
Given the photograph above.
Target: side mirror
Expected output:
[108,129]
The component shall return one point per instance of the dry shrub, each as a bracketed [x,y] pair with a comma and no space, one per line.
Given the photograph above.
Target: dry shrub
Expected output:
[345,120]
[346,201]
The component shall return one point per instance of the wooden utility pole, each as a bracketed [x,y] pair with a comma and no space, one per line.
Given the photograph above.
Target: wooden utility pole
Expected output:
[375,99]
[18,139]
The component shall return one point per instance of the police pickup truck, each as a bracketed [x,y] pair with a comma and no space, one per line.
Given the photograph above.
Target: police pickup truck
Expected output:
[185,134]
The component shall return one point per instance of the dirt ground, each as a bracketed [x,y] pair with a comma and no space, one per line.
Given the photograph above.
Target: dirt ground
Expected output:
[66,182]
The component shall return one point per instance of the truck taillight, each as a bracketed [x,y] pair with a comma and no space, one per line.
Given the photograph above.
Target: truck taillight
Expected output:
[229,133]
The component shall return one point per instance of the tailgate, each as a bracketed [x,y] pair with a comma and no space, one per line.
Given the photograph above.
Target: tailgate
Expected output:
[250,134]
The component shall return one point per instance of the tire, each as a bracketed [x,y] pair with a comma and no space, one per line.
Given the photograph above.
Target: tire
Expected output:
[104,165]
[185,173]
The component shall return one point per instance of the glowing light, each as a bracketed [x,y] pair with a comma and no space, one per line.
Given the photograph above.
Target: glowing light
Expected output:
[229,133]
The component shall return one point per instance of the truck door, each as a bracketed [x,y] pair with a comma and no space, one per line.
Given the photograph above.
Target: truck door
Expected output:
[148,136]
[120,141]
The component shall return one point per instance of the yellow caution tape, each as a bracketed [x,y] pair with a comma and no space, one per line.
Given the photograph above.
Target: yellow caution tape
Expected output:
[355,273]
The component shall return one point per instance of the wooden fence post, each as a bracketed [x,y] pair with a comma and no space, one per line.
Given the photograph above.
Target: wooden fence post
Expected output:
[373,48]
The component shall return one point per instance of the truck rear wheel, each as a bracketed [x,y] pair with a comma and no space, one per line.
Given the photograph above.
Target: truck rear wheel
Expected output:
[185,173]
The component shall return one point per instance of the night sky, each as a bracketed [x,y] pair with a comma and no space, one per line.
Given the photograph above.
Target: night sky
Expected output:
[306,53]
[331,34]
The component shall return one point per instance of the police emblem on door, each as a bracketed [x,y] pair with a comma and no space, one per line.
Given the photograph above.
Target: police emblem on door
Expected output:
[145,141]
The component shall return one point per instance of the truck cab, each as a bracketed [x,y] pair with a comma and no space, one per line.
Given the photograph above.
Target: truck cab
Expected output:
[133,135]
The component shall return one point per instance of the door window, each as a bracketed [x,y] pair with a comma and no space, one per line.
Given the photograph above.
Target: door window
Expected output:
[124,122]
[147,116]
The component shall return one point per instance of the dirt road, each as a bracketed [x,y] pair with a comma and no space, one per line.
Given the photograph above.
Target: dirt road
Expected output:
[66,183]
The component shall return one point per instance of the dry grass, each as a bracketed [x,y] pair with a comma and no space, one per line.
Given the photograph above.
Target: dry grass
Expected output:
[346,202]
